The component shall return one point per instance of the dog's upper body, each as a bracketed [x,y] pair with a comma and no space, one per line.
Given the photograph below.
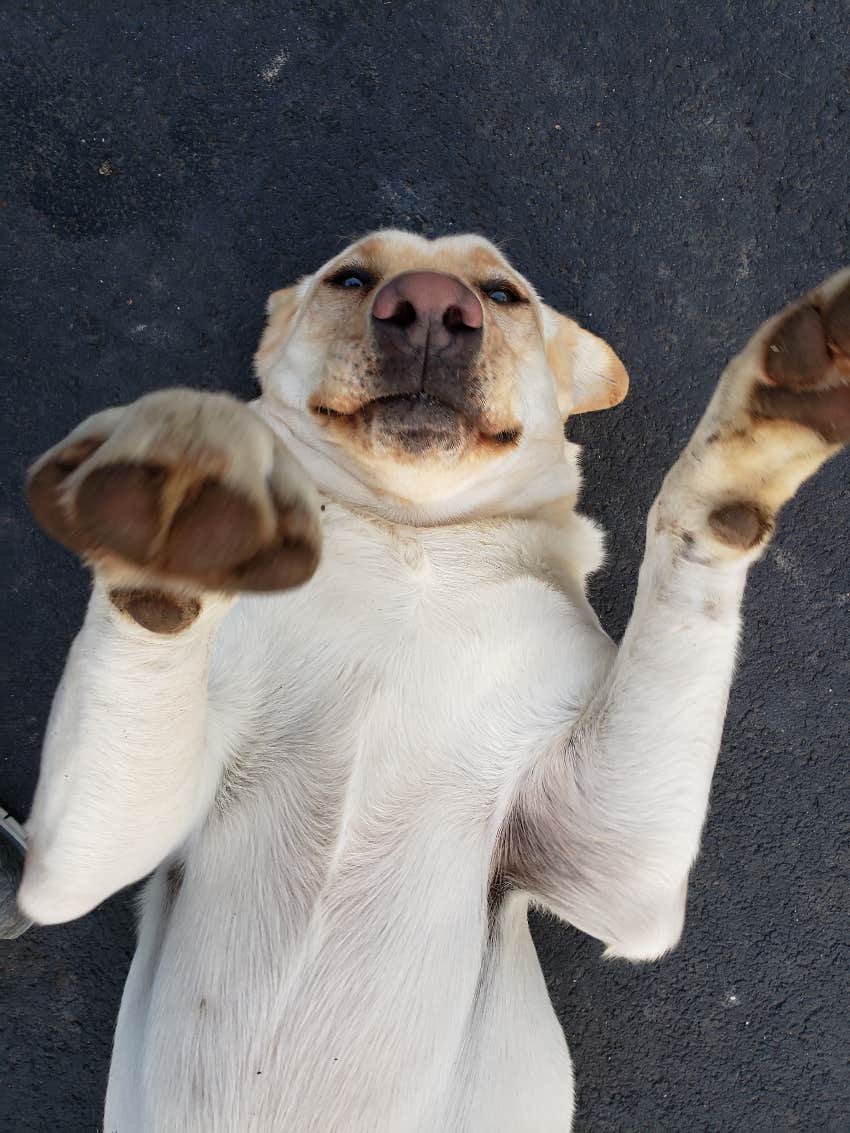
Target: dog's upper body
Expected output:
[339,687]
[340,954]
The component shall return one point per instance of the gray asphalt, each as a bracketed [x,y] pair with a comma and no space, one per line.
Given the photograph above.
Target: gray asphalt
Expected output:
[670,173]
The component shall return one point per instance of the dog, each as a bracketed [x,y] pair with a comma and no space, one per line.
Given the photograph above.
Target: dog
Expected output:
[340,693]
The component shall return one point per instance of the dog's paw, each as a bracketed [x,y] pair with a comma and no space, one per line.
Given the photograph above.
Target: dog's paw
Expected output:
[181,490]
[805,364]
[781,409]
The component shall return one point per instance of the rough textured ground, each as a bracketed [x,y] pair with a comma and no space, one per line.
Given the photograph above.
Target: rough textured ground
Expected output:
[668,172]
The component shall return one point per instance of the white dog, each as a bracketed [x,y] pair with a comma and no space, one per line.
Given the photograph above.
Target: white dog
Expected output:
[339,687]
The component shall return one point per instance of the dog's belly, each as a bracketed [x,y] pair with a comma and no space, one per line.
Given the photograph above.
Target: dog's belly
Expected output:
[322,959]
[391,1023]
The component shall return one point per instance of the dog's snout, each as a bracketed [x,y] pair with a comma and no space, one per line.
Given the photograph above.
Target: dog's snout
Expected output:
[427,305]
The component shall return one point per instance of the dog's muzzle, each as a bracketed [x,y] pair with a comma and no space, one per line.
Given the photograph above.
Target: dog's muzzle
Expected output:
[428,330]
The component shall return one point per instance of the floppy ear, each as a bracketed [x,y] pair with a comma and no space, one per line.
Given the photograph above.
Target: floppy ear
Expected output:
[281,308]
[588,374]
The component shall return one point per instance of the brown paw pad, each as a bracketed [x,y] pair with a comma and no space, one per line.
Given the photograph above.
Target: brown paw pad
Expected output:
[217,539]
[44,492]
[214,529]
[175,524]
[155,610]
[796,353]
[118,508]
[741,525]
[826,412]
[287,563]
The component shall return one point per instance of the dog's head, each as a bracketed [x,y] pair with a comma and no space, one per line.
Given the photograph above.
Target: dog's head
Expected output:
[429,374]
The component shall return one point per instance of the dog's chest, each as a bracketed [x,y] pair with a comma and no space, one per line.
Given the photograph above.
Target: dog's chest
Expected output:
[401,667]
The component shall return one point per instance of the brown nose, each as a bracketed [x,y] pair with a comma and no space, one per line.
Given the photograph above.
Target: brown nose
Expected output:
[426,306]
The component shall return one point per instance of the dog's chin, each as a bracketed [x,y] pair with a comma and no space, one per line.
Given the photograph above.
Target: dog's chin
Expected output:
[415,425]
[418,428]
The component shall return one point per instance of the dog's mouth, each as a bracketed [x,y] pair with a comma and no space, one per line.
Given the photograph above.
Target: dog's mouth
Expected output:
[419,421]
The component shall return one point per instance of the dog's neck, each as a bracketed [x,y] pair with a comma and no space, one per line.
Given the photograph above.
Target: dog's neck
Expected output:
[544,487]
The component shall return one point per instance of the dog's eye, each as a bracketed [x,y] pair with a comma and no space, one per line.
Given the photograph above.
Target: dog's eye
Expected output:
[501,293]
[351,279]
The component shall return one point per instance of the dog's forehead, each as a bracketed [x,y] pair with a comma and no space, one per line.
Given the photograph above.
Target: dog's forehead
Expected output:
[392,251]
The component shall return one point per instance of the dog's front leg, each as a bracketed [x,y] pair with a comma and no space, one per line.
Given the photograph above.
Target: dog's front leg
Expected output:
[177,501]
[126,767]
[605,829]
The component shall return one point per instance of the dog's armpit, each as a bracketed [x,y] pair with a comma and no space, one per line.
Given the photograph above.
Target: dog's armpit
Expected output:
[173,884]
[155,610]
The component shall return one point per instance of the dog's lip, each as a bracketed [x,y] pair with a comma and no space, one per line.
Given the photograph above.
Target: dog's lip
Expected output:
[504,436]
[385,399]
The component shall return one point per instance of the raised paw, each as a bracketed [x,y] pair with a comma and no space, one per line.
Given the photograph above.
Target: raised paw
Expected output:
[781,409]
[180,489]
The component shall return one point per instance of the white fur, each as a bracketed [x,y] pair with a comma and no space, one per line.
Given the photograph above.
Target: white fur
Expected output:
[339,769]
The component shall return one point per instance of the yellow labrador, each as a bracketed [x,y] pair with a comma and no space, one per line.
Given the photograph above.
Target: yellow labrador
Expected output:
[339,687]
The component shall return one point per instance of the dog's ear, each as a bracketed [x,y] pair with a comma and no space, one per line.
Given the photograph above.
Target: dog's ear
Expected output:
[588,374]
[281,308]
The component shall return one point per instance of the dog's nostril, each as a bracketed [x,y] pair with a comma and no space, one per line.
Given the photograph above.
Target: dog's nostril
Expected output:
[453,319]
[458,321]
[403,316]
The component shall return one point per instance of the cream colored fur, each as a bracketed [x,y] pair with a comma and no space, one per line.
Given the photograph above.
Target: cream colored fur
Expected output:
[329,782]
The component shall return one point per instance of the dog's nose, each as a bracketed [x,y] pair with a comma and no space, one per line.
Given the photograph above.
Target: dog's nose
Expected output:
[426,306]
